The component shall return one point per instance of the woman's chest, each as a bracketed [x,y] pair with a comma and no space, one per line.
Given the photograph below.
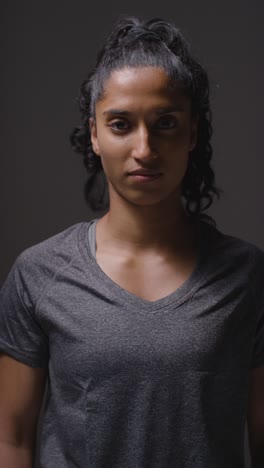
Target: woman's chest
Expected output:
[97,333]
[148,278]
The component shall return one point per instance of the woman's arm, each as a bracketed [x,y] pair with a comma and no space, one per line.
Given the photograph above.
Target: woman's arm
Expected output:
[15,457]
[255,417]
[21,393]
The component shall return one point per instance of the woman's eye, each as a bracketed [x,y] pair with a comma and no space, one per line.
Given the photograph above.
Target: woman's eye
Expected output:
[118,125]
[167,123]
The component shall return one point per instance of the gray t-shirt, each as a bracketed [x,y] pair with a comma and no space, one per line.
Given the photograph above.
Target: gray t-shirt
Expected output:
[134,383]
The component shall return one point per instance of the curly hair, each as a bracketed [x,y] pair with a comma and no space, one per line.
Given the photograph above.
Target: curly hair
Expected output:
[138,43]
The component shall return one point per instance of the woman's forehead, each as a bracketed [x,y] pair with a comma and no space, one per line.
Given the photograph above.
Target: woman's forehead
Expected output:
[141,84]
[138,77]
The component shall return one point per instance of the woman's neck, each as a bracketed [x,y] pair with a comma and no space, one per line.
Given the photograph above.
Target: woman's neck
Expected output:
[140,233]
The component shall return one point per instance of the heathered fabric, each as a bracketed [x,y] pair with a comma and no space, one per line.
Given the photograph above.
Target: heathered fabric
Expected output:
[134,383]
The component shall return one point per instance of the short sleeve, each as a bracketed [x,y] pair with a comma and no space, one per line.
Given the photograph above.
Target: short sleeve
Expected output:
[21,335]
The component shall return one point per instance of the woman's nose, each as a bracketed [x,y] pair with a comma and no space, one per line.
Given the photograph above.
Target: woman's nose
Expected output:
[143,145]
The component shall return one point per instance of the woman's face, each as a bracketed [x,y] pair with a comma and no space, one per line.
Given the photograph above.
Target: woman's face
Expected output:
[141,123]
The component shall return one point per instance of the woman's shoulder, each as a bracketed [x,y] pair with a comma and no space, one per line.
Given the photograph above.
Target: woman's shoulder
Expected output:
[60,246]
[38,263]
[233,241]
[234,249]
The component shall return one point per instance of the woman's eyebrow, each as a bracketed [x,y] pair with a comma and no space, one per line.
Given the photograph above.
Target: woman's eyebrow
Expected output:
[116,112]
[159,111]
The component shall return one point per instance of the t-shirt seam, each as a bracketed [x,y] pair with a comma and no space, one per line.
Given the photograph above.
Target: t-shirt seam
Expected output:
[43,290]
[51,281]
[21,290]
[20,293]
[33,315]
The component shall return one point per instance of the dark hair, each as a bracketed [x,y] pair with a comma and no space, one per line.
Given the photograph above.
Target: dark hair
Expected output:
[136,43]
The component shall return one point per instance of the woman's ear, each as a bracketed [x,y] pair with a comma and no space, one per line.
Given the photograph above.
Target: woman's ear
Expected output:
[194,132]
[94,139]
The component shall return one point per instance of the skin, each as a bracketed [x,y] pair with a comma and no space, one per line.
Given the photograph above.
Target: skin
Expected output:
[145,219]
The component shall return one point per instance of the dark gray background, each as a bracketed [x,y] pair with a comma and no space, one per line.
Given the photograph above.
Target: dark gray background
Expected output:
[47,50]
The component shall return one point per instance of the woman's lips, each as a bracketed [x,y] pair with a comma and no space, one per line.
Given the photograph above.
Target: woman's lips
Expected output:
[144,177]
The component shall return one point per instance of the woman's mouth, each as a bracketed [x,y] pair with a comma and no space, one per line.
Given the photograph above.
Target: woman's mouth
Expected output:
[145,177]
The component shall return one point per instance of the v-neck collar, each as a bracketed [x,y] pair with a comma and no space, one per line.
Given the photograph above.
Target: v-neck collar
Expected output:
[87,244]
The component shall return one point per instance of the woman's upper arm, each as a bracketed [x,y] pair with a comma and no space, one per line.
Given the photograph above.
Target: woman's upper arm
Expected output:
[21,393]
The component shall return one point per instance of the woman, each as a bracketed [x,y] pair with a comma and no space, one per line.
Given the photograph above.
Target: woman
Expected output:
[147,323]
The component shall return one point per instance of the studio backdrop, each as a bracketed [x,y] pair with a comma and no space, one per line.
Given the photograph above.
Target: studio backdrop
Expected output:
[47,50]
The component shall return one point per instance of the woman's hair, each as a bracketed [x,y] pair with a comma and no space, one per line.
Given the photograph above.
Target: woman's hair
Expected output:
[137,43]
